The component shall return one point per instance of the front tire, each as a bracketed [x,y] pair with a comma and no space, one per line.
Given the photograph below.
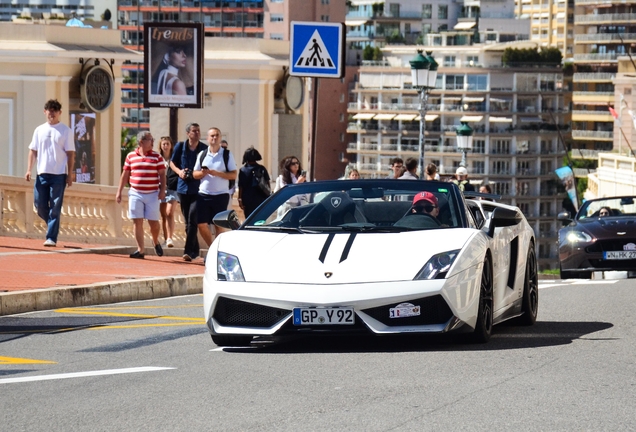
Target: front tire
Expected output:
[235,341]
[530,305]
[483,327]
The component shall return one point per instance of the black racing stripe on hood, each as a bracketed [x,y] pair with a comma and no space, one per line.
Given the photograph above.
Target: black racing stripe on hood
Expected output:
[325,248]
[347,248]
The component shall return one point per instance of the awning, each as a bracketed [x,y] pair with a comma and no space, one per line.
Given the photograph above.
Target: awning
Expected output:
[354,22]
[427,117]
[452,98]
[405,117]
[500,120]
[531,119]
[363,116]
[464,25]
[545,15]
[383,116]
[469,118]
[560,15]
[492,99]
[473,99]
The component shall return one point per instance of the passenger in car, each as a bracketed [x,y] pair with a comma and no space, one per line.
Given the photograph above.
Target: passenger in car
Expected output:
[604,211]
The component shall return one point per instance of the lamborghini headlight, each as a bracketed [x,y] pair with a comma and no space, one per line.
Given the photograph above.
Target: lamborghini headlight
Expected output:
[578,237]
[438,266]
[228,268]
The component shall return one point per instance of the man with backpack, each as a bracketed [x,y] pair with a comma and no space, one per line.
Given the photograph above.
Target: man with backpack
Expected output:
[215,167]
[183,159]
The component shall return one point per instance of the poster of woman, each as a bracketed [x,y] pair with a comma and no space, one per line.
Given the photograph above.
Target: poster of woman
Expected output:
[173,64]
[83,126]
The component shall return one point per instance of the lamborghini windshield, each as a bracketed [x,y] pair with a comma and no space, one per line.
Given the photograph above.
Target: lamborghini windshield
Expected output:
[361,205]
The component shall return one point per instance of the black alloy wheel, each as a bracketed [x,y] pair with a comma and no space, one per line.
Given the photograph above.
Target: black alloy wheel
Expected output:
[483,327]
[530,305]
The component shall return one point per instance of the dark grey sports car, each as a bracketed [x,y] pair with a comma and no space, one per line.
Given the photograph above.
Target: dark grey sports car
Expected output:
[602,237]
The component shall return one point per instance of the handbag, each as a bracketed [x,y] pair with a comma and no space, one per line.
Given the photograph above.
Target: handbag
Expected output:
[260,178]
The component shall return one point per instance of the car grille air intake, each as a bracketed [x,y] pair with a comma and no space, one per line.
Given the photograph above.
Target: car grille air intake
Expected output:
[434,310]
[236,313]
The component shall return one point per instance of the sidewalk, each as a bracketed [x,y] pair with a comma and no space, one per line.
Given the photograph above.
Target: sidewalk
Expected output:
[34,277]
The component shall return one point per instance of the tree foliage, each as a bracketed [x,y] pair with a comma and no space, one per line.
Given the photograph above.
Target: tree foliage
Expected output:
[532,56]
[128,143]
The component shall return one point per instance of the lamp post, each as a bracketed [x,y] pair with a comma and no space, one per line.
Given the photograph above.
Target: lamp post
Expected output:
[424,77]
[464,141]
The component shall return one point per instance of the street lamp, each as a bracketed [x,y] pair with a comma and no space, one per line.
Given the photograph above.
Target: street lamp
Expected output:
[424,77]
[464,141]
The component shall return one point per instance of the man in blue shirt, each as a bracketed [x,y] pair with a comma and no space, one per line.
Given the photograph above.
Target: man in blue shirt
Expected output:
[183,159]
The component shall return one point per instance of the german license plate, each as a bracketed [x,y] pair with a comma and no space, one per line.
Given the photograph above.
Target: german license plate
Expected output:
[619,255]
[324,316]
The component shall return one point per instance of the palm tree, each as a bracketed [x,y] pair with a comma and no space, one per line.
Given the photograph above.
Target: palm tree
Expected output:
[128,144]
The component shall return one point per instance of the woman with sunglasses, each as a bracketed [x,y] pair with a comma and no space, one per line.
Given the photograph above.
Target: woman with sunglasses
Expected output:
[291,173]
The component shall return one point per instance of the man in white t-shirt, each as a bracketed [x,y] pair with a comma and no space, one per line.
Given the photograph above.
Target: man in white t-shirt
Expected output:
[53,146]
[214,190]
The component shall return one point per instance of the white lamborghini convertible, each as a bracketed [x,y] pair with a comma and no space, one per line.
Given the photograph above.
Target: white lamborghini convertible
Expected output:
[370,257]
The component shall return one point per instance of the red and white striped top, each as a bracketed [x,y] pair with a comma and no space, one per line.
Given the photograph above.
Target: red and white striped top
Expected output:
[144,170]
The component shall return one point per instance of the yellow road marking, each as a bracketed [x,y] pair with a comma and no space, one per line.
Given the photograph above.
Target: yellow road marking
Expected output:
[16,360]
[147,307]
[117,314]
[144,325]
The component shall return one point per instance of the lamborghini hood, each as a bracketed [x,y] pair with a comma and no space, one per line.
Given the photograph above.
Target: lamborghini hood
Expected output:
[336,258]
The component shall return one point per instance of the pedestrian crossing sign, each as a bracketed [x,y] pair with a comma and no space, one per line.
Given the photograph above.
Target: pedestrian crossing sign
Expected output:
[317,49]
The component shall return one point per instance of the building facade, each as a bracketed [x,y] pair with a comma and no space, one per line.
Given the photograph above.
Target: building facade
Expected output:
[517,115]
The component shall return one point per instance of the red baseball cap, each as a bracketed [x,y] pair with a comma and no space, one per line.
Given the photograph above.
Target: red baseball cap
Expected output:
[426,196]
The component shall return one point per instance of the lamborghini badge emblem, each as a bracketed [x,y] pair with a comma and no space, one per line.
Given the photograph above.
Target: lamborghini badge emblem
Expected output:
[335,201]
[328,274]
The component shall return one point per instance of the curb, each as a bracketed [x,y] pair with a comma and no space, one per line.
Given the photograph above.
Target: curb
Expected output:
[101,293]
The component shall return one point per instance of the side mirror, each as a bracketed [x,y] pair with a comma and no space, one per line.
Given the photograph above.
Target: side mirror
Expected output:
[503,217]
[564,216]
[227,219]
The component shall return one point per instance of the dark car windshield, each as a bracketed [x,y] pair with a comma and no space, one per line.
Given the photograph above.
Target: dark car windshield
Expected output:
[613,207]
[360,205]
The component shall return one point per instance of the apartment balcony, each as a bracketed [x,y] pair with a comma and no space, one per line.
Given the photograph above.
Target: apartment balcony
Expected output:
[584,153]
[583,97]
[591,58]
[604,38]
[602,116]
[603,2]
[592,135]
[593,77]
[612,19]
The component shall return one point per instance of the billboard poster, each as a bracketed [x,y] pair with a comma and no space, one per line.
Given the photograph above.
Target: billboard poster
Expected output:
[567,177]
[83,127]
[173,65]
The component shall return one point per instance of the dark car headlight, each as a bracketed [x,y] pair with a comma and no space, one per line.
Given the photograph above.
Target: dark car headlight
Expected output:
[438,266]
[577,237]
[228,268]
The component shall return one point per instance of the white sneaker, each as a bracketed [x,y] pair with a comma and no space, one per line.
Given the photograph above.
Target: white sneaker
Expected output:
[49,243]
[169,243]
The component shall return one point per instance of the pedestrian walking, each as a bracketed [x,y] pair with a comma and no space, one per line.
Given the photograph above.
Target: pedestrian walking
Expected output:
[183,159]
[167,206]
[253,182]
[144,169]
[232,182]
[53,147]
[215,167]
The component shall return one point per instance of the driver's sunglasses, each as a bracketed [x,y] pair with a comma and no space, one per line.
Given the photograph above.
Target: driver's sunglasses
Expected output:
[425,207]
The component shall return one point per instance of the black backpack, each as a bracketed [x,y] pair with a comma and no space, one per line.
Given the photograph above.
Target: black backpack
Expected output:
[226,158]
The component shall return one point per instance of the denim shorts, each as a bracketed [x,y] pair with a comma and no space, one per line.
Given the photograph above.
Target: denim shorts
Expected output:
[171,195]
[143,205]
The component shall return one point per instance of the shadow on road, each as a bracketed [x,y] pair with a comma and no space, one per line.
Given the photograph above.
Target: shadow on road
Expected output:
[542,334]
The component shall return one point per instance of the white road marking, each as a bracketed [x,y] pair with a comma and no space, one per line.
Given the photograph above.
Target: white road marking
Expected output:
[83,374]
[543,285]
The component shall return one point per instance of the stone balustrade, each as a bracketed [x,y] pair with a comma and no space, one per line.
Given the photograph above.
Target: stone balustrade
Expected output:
[89,215]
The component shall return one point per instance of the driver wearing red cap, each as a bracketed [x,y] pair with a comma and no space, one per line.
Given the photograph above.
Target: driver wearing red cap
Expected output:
[425,203]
